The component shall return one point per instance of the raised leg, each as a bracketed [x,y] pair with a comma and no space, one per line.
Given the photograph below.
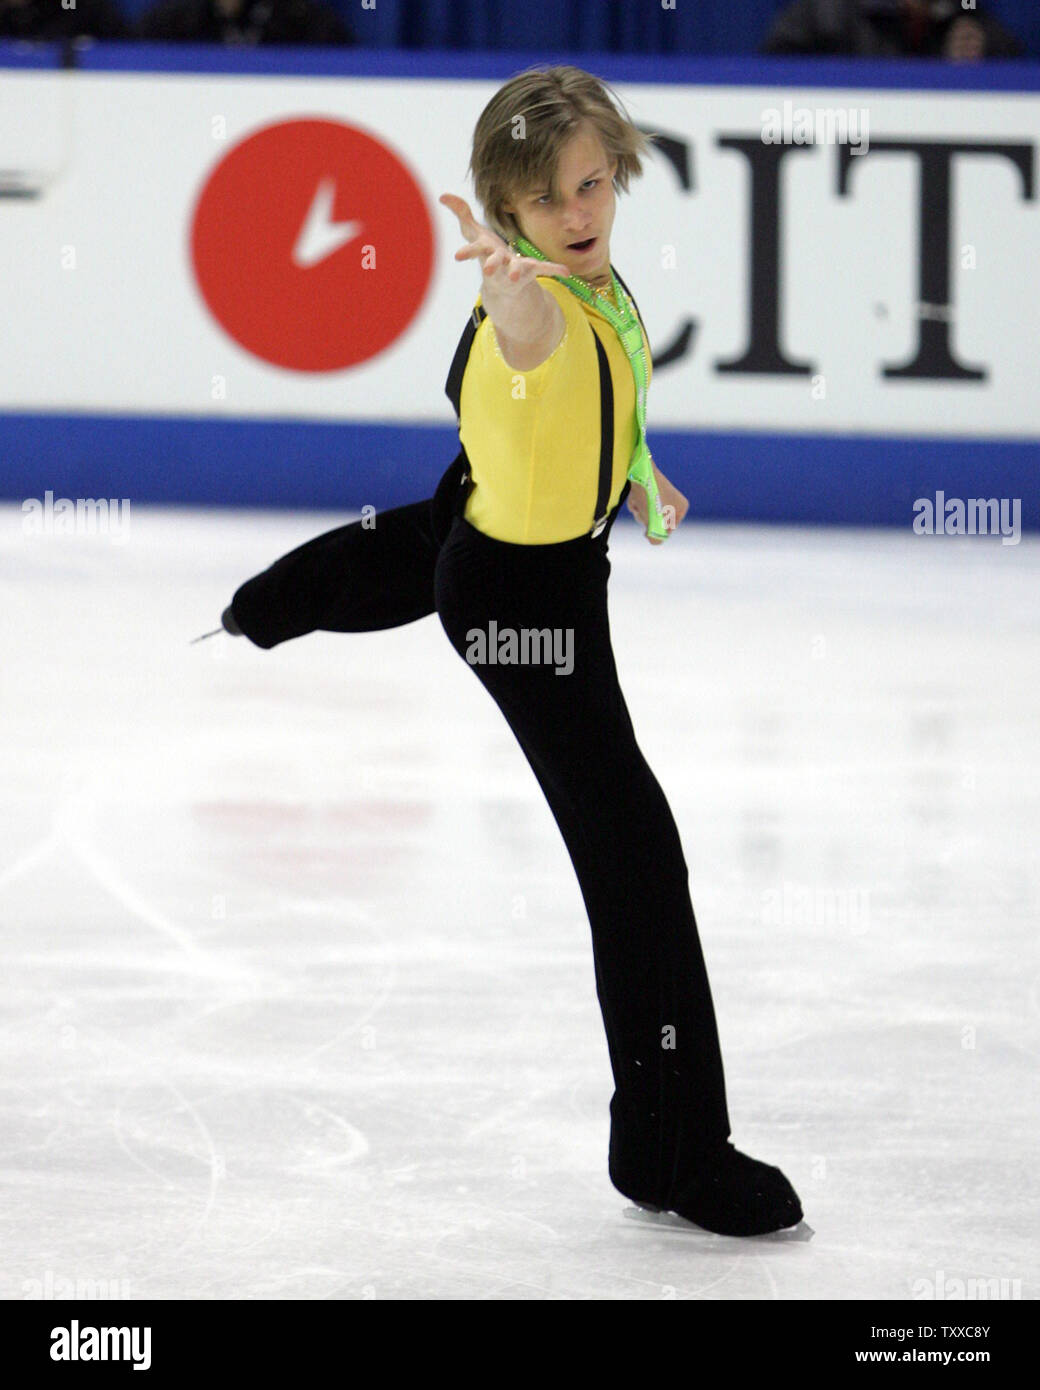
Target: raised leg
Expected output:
[356,578]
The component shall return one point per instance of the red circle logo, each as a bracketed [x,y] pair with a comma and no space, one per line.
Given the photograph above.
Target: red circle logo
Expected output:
[312,245]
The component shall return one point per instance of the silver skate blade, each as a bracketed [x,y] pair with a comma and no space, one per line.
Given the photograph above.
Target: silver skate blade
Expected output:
[662,1220]
[803,1231]
[645,1215]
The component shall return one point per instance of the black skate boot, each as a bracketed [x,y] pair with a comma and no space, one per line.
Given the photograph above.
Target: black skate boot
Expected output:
[227,619]
[734,1195]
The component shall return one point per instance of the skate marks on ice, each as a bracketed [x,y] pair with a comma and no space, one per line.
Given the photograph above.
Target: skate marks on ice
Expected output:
[672,1221]
[190,1105]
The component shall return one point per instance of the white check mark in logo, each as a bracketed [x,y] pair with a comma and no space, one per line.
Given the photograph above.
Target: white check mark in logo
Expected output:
[320,236]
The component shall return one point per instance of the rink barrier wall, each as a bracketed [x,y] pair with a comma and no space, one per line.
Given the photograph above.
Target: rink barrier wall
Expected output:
[849,477]
[793,479]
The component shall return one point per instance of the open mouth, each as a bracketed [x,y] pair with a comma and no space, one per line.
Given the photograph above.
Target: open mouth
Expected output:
[580,246]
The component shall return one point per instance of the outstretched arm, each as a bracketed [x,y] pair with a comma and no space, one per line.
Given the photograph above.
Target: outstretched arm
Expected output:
[528,322]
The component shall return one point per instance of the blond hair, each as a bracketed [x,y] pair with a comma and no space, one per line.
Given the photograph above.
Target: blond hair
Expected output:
[520,133]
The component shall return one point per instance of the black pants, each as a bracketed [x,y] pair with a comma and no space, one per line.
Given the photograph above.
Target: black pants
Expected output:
[668,1112]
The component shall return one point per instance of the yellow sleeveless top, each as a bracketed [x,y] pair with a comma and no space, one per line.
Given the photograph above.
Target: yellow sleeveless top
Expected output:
[532,438]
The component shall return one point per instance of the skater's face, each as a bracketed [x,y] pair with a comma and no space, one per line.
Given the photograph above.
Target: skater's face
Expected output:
[580,210]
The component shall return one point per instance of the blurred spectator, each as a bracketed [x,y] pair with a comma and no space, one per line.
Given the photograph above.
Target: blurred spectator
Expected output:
[245,22]
[891,29]
[47,20]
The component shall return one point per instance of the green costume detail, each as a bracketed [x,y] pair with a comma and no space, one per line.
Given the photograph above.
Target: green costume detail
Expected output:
[625,321]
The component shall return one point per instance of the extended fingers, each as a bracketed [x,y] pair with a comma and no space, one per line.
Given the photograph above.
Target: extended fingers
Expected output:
[531,264]
[455,204]
[485,245]
[529,267]
[500,257]
[467,222]
[471,249]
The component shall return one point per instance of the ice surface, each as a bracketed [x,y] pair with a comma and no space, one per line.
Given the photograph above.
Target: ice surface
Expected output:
[298,997]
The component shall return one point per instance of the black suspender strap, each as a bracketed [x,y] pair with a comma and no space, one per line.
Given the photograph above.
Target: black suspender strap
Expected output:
[606,436]
[453,386]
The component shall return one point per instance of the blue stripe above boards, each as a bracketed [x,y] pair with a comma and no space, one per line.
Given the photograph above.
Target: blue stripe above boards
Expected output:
[481,65]
[16,54]
[855,480]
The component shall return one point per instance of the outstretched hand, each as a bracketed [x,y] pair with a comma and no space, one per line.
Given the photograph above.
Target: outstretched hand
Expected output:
[504,271]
